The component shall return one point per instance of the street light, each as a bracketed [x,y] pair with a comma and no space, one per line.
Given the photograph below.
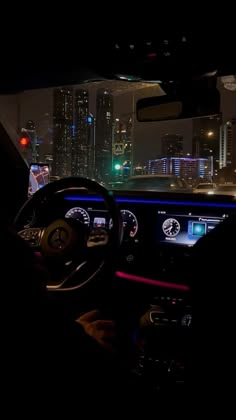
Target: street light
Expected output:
[210,133]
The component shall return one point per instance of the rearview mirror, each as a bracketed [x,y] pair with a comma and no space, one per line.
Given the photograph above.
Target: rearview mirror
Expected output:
[150,111]
[198,99]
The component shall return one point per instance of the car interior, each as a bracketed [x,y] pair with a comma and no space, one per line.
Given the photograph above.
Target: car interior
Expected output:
[158,262]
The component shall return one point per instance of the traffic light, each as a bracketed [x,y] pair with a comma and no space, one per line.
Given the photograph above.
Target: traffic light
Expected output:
[24,141]
[117,166]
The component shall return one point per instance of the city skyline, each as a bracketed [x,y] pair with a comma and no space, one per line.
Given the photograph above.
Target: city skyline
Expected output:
[37,105]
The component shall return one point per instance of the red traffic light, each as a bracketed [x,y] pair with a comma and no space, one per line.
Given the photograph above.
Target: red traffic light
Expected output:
[24,141]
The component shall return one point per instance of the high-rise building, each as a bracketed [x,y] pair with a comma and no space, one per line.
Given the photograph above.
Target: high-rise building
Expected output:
[91,121]
[227,150]
[157,166]
[172,145]
[129,140]
[104,135]
[234,144]
[189,169]
[122,147]
[62,130]
[206,134]
[80,147]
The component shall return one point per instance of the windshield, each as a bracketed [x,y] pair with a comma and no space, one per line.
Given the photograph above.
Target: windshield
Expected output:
[91,130]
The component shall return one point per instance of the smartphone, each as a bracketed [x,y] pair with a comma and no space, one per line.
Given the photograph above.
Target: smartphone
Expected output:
[38,176]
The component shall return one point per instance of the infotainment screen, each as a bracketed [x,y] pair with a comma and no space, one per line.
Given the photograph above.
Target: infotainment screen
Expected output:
[184,229]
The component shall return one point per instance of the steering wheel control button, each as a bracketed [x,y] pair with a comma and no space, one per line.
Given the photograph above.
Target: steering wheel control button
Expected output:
[186,321]
[32,236]
[130,258]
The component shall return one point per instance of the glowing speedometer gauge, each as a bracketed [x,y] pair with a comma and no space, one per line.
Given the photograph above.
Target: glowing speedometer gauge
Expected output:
[130,223]
[79,214]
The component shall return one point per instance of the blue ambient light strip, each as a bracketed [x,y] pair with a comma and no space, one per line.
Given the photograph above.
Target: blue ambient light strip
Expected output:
[97,199]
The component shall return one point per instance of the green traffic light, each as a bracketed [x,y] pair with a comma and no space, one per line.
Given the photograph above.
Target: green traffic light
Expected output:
[117,166]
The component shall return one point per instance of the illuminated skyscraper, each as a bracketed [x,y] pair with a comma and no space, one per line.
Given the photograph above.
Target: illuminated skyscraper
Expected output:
[228,144]
[81,152]
[122,147]
[104,134]
[62,130]
[189,169]
[206,138]
[128,142]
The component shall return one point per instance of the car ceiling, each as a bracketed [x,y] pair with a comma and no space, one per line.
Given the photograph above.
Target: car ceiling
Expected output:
[53,59]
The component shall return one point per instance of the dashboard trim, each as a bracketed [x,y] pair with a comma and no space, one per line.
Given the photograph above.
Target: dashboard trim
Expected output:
[97,199]
[146,280]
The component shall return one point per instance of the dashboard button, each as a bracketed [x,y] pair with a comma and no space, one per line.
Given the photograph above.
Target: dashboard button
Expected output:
[130,258]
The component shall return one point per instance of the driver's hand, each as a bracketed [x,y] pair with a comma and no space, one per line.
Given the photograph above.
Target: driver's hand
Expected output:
[101,330]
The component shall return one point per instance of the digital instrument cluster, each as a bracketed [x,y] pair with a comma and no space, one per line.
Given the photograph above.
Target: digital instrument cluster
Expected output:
[94,218]
[185,229]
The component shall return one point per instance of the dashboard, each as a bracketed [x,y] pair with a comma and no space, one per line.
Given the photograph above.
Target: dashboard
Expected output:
[159,233]
[159,229]
[176,228]
[95,218]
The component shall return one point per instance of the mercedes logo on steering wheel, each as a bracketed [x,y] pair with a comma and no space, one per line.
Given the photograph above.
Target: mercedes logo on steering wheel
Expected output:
[58,238]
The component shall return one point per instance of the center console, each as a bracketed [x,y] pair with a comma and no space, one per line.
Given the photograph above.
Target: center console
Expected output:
[181,228]
[159,234]
[163,349]
[159,230]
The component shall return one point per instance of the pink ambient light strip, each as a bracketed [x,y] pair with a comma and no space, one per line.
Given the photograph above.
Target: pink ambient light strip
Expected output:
[146,280]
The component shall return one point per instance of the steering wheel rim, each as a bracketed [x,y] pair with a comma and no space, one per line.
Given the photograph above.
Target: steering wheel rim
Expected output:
[46,193]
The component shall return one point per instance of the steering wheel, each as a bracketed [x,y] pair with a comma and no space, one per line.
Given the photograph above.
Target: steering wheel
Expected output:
[73,253]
